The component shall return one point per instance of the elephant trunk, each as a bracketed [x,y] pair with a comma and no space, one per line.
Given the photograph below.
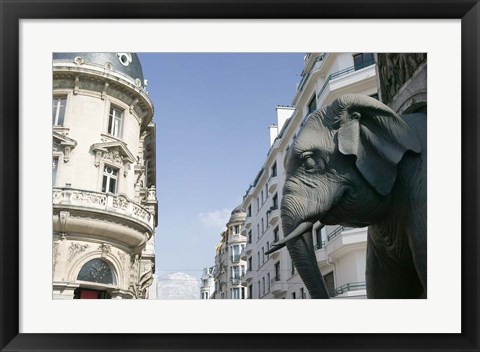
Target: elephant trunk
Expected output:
[302,252]
[300,230]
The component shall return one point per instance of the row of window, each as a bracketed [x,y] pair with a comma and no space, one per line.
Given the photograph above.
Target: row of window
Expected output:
[237,293]
[264,221]
[115,117]
[237,271]
[264,286]
[266,282]
[264,193]
[235,251]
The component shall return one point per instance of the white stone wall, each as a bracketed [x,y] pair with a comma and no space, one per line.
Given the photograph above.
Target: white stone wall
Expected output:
[87,122]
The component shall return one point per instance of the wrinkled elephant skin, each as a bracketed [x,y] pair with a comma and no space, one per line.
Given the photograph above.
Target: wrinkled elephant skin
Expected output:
[357,163]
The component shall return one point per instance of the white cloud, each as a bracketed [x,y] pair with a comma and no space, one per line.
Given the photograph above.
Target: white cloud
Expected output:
[216,219]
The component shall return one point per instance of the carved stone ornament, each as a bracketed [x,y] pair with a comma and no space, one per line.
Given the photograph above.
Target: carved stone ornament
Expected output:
[79,60]
[56,146]
[105,248]
[120,202]
[74,249]
[90,199]
[113,155]
[63,221]
[133,105]
[104,92]
[63,144]
[124,58]
[152,193]
[55,254]
[76,89]
[115,152]
[122,255]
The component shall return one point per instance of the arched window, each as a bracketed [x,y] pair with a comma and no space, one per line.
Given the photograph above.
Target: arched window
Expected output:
[96,270]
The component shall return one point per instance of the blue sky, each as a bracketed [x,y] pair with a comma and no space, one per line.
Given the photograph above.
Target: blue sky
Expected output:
[212,113]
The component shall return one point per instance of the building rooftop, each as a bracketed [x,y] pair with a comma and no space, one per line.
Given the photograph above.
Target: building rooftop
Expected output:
[126,63]
[237,215]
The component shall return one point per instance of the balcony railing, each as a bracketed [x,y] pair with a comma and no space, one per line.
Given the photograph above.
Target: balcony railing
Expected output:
[235,280]
[273,214]
[307,76]
[337,231]
[320,245]
[353,286]
[343,72]
[112,203]
[275,279]
[277,287]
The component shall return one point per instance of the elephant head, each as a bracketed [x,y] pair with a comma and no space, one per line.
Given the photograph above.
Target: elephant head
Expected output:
[340,169]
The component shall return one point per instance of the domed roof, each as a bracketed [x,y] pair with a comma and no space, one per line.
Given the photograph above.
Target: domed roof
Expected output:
[126,63]
[237,215]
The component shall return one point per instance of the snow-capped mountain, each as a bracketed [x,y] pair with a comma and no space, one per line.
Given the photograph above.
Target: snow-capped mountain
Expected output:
[178,286]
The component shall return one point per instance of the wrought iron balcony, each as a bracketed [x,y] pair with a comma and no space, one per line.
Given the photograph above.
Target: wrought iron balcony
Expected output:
[315,66]
[320,245]
[335,233]
[341,73]
[235,280]
[352,286]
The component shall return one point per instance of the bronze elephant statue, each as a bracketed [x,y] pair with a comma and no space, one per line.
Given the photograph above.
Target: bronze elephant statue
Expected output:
[357,163]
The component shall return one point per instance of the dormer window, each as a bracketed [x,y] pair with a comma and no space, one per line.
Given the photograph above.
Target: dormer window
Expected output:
[115,121]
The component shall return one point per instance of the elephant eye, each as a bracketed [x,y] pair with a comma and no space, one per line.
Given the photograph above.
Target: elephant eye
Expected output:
[312,164]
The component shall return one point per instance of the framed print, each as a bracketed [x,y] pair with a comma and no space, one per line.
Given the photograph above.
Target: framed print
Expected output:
[447,31]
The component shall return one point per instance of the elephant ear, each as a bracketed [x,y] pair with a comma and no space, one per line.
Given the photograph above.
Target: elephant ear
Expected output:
[378,138]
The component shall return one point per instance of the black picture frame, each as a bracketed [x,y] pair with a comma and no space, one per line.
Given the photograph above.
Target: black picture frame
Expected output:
[12,11]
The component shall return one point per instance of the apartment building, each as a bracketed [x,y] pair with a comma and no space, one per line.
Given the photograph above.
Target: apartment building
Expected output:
[340,251]
[229,267]
[207,283]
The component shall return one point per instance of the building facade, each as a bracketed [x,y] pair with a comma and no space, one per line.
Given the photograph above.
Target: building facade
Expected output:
[104,197]
[207,283]
[229,267]
[340,251]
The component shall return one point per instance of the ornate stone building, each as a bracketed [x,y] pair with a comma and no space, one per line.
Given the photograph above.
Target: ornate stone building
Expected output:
[229,267]
[104,198]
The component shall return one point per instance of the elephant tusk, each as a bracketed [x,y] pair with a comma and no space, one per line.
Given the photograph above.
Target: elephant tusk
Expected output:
[299,230]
